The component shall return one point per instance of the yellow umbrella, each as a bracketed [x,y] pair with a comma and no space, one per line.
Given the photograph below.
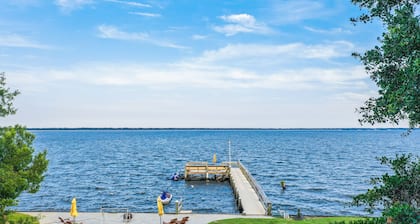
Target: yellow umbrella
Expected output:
[73,210]
[214,158]
[160,208]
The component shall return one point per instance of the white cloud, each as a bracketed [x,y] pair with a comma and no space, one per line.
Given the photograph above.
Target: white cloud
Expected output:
[130,3]
[198,37]
[330,31]
[187,76]
[358,97]
[295,11]
[290,51]
[145,14]
[182,86]
[15,40]
[69,5]
[241,23]
[244,19]
[233,66]
[111,32]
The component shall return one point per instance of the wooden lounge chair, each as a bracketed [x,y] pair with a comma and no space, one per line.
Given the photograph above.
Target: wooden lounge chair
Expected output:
[65,221]
[183,220]
[172,221]
[68,221]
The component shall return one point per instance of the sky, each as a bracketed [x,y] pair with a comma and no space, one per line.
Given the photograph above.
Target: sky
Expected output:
[185,63]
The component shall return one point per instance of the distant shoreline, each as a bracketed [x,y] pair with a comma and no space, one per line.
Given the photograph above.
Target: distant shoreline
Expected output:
[222,129]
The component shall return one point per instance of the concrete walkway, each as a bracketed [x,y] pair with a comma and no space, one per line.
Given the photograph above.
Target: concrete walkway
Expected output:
[138,218]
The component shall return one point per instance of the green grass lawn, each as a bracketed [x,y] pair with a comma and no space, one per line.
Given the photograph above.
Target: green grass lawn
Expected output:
[15,217]
[324,220]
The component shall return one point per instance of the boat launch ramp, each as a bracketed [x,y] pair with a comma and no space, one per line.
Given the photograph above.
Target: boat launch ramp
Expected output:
[249,196]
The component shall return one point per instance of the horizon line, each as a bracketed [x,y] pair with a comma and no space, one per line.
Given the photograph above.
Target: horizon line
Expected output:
[139,128]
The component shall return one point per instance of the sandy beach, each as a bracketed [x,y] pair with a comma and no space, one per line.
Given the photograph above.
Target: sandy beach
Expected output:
[138,218]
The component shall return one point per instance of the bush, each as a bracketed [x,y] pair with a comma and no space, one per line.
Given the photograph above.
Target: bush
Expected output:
[380,220]
[403,213]
[17,218]
[24,221]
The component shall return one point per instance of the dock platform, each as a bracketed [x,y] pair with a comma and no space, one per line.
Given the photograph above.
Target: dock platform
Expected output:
[249,197]
[204,170]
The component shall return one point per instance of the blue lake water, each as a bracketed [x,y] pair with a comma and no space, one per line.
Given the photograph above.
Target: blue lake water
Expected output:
[323,169]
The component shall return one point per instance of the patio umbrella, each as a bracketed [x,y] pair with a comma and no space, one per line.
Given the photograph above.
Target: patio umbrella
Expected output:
[73,210]
[160,208]
[214,158]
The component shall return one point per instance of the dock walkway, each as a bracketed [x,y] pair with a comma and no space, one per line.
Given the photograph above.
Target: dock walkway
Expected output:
[248,198]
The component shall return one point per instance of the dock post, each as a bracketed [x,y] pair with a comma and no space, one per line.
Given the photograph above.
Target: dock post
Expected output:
[269,208]
[207,171]
[186,174]
[178,206]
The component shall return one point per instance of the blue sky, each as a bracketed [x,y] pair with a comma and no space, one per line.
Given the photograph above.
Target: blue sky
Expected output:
[132,63]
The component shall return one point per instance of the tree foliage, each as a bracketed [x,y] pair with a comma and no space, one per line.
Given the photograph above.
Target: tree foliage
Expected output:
[6,98]
[403,213]
[395,64]
[20,170]
[401,187]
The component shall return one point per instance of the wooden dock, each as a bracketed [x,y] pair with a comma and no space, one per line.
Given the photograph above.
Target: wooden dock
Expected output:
[206,171]
[249,197]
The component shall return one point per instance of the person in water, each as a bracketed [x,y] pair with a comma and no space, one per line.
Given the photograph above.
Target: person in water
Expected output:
[163,196]
[175,177]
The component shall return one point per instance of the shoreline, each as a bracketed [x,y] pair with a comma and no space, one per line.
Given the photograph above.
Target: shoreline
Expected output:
[138,218]
[208,129]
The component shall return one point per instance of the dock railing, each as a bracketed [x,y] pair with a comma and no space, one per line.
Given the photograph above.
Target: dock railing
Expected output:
[261,195]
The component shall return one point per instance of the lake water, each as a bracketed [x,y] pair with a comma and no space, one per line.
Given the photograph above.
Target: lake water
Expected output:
[323,168]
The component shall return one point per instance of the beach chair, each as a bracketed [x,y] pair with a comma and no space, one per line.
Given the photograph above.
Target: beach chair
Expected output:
[65,221]
[183,220]
[68,221]
[172,221]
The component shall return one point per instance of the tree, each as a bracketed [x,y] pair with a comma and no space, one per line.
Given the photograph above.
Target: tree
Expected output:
[395,68]
[400,187]
[20,170]
[6,98]
[395,64]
